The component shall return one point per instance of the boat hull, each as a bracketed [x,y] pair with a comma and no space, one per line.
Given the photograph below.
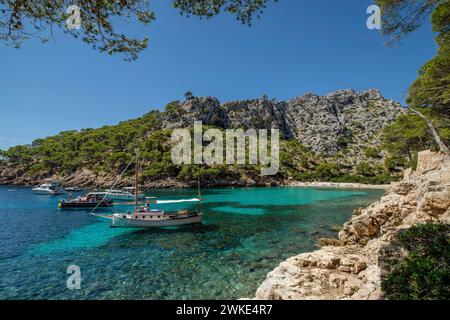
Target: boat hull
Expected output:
[65,205]
[48,193]
[118,222]
[41,192]
[73,190]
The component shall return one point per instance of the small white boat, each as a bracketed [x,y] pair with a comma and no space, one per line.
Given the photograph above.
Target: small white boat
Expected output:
[49,187]
[126,194]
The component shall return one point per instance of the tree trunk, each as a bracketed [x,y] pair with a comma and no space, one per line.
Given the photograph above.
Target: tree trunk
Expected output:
[437,138]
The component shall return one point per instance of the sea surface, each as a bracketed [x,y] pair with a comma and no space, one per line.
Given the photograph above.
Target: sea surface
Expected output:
[245,234]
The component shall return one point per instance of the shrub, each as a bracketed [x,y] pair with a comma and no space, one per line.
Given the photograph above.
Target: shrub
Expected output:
[372,152]
[425,272]
[364,169]
[358,125]
[173,107]
[327,170]
[343,142]
[394,163]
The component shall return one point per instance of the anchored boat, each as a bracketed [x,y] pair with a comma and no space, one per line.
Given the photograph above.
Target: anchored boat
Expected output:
[145,216]
[91,200]
[49,187]
[73,189]
[126,194]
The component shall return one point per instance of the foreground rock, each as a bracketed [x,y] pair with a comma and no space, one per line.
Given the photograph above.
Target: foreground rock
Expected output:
[353,269]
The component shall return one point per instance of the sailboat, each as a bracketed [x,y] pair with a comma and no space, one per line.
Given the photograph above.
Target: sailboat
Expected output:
[144,216]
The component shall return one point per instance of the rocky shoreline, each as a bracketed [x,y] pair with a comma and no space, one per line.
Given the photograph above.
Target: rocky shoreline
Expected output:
[87,179]
[351,267]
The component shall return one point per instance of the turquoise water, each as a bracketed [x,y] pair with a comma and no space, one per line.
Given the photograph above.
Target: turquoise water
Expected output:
[245,234]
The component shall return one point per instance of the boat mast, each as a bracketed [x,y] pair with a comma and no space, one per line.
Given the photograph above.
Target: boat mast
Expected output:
[136,181]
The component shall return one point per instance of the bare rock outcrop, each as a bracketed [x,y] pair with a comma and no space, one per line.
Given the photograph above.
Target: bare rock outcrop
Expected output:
[345,117]
[325,124]
[353,268]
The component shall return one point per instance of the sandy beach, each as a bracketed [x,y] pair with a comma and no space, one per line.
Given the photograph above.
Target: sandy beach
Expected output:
[338,185]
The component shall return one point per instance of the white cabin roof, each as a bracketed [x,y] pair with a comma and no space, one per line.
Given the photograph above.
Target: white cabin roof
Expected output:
[177,201]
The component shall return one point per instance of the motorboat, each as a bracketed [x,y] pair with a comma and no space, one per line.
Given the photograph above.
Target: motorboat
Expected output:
[125,194]
[49,187]
[90,200]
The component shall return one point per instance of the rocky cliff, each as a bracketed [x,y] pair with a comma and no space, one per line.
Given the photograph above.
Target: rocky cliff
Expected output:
[351,267]
[345,119]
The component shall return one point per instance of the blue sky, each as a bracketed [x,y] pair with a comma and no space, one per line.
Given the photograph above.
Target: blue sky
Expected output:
[296,47]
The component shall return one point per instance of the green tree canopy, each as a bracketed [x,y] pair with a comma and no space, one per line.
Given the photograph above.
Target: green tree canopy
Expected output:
[23,19]
[410,134]
[432,87]
[400,17]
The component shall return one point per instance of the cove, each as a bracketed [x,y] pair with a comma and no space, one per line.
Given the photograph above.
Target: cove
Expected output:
[246,233]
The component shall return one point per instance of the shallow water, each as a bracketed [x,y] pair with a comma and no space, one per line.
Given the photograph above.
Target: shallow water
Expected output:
[245,234]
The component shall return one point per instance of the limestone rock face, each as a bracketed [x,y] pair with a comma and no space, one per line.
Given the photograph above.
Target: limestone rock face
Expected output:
[353,268]
[326,123]
[322,123]
[205,109]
